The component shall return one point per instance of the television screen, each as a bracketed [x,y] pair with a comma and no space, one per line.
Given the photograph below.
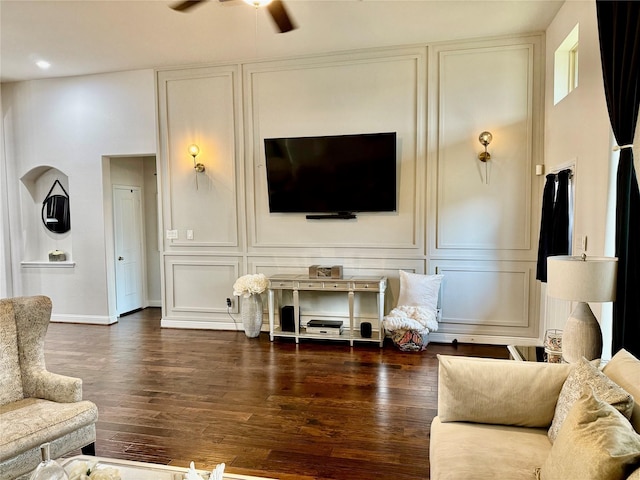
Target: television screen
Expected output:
[332,174]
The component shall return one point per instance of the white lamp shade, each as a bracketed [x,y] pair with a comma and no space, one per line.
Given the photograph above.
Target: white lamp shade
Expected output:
[582,280]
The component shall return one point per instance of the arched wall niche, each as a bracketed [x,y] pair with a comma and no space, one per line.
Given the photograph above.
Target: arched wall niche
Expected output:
[37,239]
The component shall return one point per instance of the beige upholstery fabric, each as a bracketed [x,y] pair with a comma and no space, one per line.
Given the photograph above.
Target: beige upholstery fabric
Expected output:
[486,452]
[624,369]
[499,392]
[10,377]
[635,475]
[36,406]
[595,442]
[31,422]
[584,373]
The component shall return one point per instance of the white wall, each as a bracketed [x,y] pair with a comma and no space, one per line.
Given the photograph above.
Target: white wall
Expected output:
[577,130]
[76,123]
[70,124]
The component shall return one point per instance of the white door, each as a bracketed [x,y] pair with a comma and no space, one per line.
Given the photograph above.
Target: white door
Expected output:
[127,221]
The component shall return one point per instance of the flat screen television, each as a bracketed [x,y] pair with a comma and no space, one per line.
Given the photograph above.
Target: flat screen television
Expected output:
[338,174]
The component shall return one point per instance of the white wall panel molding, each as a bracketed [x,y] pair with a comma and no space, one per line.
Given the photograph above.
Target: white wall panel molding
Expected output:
[472,211]
[201,106]
[488,298]
[346,93]
[199,285]
[212,324]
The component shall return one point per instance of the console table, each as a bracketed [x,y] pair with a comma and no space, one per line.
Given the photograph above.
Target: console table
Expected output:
[350,286]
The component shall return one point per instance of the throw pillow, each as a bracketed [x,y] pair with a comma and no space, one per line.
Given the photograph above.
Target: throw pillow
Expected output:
[595,443]
[585,374]
[417,290]
[624,369]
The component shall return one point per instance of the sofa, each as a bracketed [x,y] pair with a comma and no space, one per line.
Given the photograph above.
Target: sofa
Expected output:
[504,419]
[36,406]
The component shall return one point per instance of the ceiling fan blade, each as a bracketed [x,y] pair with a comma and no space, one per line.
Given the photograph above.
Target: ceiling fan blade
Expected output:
[186,5]
[280,16]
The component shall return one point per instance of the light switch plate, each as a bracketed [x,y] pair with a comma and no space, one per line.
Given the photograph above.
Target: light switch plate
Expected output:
[172,234]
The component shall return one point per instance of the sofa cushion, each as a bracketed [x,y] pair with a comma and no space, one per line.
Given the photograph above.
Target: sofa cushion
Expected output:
[30,422]
[584,373]
[500,392]
[10,376]
[595,442]
[485,452]
[624,369]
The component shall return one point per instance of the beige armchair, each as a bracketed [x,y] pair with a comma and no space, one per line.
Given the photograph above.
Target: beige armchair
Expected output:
[36,406]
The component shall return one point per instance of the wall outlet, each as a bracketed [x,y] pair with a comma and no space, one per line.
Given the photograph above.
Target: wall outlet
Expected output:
[229,302]
[189,234]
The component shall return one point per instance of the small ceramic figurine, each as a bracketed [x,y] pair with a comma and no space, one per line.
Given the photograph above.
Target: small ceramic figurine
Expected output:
[217,472]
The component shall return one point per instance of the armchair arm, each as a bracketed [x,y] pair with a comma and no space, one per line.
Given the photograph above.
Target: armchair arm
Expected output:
[501,392]
[51,386]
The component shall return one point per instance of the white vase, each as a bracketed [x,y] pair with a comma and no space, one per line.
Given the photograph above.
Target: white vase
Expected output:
[251,314]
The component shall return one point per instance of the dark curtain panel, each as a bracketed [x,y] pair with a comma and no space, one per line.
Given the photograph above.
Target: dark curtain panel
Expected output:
[619,32]
[546,226]
[554,224]
[560,234]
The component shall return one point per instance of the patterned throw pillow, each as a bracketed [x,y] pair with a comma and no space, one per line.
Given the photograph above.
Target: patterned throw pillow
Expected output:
[585,374]
[595,443]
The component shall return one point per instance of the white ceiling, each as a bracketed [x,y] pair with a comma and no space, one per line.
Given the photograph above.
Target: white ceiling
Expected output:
[92,36]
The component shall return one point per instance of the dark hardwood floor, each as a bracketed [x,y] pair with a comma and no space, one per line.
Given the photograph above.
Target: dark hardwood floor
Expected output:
[317,410]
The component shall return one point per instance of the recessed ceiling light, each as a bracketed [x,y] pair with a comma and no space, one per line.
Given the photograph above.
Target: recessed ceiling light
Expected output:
[43,64]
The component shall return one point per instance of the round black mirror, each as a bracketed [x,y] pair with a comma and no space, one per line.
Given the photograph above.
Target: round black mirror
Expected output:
[55,212]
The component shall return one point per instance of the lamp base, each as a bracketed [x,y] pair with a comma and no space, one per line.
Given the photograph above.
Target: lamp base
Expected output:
[582,336]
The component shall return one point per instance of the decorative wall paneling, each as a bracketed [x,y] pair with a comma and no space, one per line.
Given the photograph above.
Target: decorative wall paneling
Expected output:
[379,91]
[201,106]
[482,224]
[196,288]
[479,235]
[487,299]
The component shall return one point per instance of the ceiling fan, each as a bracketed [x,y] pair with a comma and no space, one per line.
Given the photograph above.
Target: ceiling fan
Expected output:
[276,9]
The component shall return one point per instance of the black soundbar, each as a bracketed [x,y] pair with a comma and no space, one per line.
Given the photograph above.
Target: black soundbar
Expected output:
[328,216]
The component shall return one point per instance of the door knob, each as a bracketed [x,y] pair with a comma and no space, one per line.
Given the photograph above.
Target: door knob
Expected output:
[120,258]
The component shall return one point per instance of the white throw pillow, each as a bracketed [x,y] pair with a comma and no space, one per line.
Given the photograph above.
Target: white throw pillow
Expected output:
[417,290]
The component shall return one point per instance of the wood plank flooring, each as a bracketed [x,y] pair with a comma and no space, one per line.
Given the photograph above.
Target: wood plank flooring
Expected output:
[317,410]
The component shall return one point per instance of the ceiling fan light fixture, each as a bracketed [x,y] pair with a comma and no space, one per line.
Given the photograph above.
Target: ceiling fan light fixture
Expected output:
[258,3]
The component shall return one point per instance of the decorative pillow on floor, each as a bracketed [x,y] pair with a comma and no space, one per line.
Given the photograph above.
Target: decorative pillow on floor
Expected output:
[585,374]
[595,443]
[417,290]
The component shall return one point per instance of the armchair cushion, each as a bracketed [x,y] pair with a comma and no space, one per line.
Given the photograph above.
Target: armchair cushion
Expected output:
[28,423]
[498,392]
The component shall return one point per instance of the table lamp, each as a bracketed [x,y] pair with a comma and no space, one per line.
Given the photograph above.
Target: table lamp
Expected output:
[582,279]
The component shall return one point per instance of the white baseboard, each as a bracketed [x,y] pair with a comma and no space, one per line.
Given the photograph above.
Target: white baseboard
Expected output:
[85,319]
[482,339]
[154,303]
[199,325]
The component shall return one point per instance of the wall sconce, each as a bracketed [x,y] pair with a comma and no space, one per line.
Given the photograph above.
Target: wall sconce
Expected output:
[485,139]
[194,150]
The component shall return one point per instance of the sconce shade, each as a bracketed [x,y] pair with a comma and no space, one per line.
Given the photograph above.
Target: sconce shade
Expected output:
[194,150]
[582,280]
